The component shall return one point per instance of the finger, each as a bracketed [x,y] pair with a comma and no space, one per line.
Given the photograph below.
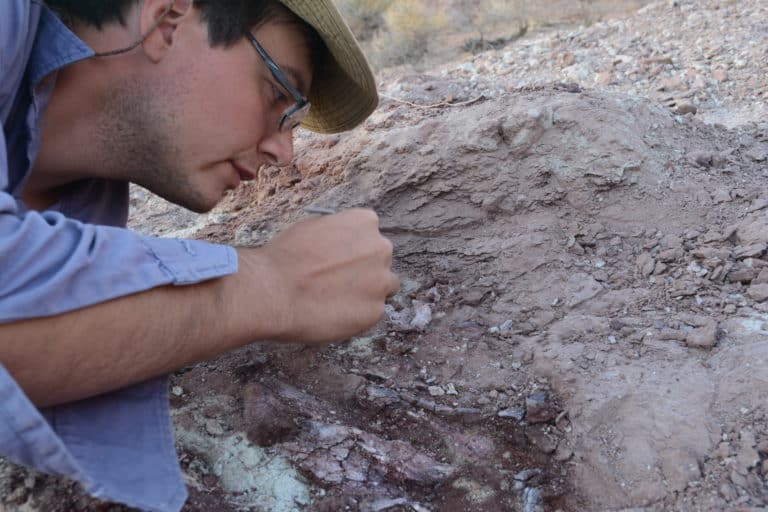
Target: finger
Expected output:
[364,215]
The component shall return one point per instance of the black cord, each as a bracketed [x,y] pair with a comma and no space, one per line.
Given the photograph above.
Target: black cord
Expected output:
[141,39]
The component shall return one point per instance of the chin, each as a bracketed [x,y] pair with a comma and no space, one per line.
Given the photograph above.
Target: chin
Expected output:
[201,207]
[197,203]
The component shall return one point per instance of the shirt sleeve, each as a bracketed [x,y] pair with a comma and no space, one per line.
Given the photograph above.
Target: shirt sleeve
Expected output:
[50,264]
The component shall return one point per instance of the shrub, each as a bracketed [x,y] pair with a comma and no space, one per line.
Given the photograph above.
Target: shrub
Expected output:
[508,17]
[365,17]
[408,27]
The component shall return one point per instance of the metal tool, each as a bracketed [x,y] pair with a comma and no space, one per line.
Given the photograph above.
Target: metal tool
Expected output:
[319,210]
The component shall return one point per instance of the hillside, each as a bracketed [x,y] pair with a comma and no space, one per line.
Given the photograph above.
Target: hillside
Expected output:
[580,220]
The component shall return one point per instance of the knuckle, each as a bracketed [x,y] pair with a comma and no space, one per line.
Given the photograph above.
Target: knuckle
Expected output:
[370,216]
[387,245]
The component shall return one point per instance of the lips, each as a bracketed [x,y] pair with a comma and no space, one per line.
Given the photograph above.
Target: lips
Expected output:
[245,174]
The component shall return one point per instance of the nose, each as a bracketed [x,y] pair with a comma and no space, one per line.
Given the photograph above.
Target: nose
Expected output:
[278,148]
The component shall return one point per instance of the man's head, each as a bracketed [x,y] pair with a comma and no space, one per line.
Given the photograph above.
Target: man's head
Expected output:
[345,91]
[196,107]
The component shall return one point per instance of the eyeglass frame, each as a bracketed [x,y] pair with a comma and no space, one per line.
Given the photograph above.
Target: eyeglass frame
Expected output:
[298,111]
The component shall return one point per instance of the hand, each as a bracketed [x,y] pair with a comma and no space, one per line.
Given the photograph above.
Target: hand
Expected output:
[333,273]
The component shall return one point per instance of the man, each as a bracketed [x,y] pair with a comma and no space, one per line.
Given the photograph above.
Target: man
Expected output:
[188,99]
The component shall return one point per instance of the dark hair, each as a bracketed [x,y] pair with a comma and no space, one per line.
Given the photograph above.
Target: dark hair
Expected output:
[227,20]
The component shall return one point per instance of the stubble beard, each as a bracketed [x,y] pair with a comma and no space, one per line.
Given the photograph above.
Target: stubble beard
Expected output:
[136,136]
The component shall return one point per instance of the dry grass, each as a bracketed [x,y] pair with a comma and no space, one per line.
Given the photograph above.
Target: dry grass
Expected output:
[422,33]
[409,25]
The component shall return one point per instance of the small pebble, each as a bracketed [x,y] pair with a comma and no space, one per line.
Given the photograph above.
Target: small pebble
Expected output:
[516,413]
[728,492]
[506,326]
[738,480]
[526,474]
[563,453]
[213,427]
[532,500]
[436,391]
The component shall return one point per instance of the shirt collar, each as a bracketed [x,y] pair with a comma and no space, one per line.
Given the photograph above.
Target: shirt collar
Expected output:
[55,47]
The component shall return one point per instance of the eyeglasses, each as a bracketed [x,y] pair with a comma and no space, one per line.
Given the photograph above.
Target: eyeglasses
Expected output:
[294,114]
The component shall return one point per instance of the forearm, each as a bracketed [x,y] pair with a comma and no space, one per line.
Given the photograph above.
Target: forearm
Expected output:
[320,281]
[101,348]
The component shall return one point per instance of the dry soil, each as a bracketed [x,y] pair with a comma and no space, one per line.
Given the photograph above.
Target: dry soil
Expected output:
[580,221]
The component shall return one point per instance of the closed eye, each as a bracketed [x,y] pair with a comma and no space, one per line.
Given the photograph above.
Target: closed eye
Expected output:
[278,96]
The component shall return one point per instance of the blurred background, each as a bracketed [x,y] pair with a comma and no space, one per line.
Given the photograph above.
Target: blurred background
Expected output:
[420,34]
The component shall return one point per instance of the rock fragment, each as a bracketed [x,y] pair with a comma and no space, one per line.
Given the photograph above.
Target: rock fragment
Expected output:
[758,153]
[527,474]
[747,456]
[213,427]
[532,500]
[267,419]
[436,391]
[742,275]
[401,458]
[645,264]
[563,453]
[758,292]
[702,159]
[750,251]
[686,108]
[422,316]
[515,413]
[541,440]
[538,408]
[580,288]
[703,337]
[738,479]
[728,492]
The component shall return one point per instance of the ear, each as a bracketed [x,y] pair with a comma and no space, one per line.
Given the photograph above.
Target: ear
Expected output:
[159,20]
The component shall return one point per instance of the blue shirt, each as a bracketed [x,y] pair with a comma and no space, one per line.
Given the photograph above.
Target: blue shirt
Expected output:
[119,446]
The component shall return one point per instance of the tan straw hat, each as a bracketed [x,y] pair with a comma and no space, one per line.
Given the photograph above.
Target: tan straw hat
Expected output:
[343,92]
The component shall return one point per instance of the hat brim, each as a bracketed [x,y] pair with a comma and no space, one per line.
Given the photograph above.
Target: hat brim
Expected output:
[343,92]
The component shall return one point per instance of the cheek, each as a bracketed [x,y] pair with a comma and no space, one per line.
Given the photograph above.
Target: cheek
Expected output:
[222,109]
[218,122]
[231,105]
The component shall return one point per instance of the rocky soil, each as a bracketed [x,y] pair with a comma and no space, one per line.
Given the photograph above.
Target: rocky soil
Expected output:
[581,223]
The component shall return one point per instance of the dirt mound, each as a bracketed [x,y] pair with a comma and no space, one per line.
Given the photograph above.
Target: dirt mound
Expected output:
[596,246]
[699,56]
[583,322]
[584,276]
